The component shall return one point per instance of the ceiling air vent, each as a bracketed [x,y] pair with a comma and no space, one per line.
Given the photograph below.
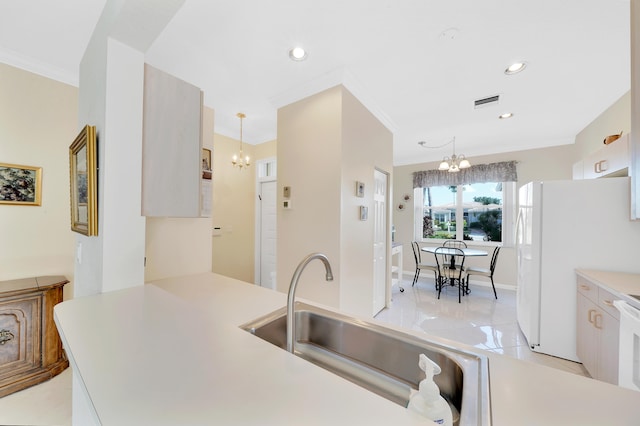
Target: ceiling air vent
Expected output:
[481,103]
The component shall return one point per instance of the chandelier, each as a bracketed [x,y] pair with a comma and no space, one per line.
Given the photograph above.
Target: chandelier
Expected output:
[240,160]
[454,163]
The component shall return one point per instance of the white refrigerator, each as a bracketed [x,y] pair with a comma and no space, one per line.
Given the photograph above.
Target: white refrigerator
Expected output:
[563,226]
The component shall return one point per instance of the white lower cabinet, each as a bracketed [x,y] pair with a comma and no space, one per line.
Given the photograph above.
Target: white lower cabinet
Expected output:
[598,327]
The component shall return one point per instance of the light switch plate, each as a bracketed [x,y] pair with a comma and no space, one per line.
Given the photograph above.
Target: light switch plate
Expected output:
[286,192]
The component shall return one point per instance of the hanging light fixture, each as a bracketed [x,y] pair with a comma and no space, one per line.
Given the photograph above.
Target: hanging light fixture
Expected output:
[454,163]
[240,160]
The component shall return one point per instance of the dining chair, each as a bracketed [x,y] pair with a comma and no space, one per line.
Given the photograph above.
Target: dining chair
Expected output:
[420,265]
[454,243]
[450,271]
[485,272]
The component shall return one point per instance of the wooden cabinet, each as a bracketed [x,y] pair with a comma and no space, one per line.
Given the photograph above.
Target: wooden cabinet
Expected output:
[172,146]
[609,161]
[30,347]
[598,327]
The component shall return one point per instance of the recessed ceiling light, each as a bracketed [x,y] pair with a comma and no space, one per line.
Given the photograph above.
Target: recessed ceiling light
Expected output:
[505,115]
[515,68]
[298,54]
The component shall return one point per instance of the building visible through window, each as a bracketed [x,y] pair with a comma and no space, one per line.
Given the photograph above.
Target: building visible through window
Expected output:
[471,212]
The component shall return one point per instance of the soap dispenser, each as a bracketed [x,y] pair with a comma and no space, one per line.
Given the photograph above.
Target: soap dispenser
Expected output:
[427,401]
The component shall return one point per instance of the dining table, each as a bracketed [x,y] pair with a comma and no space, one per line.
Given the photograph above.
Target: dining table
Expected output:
[453,252]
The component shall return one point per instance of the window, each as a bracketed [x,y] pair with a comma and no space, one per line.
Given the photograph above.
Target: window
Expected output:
[474,212]
[267,169]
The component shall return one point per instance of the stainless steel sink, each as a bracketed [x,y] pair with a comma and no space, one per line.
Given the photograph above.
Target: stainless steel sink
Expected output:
[382,360]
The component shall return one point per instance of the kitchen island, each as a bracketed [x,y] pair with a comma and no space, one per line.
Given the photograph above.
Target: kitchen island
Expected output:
[172,352]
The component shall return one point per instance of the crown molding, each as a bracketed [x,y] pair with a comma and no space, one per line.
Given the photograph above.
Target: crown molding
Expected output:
[26,63]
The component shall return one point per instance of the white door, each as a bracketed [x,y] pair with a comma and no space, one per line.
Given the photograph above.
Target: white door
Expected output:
[379,241]
[267,240]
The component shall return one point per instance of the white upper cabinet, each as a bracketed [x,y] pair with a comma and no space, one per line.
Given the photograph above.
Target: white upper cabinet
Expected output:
[172,146]
[609,161]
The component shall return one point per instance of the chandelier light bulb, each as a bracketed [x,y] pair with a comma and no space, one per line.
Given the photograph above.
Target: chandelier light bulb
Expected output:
[241,160]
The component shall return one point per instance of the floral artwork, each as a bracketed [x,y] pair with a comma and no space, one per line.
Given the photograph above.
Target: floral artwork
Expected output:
[20,184]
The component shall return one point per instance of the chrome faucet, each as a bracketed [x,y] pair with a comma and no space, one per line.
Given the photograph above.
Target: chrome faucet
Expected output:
[291,323]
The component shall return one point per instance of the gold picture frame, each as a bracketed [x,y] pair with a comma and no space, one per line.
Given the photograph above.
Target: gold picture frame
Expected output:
[207,167]
[83,168]
[20,185]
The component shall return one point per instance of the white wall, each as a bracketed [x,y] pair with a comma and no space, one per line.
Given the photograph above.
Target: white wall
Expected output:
[111,89]
[234,209]
[326,143]
[366,145]
[309,161]
[38,123]
[180,246]
[613,120]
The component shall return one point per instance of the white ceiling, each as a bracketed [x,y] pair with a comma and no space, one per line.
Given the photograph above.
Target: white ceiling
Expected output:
[418,65]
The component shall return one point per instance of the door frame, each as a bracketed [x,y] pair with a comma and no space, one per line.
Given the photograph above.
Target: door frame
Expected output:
[258,214]
[388,260]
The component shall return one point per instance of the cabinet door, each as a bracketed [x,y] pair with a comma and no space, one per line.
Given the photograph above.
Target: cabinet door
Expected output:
[609,330]
[172,146]
[20,330]
[610,160]
[586,345]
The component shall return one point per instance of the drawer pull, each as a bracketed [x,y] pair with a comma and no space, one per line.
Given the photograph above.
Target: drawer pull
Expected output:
[585,287]
[598,322]
[5,336]
[608,302]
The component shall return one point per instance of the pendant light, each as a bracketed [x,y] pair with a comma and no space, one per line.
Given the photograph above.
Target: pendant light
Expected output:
[240,160]
[454,163]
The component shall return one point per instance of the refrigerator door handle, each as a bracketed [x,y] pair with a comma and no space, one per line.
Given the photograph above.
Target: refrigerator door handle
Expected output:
[518,218]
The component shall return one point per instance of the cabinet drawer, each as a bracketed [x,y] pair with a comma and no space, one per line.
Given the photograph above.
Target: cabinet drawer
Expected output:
[605,302]
[588,289]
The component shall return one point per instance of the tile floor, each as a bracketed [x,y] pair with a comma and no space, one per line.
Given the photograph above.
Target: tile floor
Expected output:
[480,321]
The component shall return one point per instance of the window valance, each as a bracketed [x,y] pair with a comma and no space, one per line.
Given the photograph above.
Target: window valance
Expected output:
[494,172]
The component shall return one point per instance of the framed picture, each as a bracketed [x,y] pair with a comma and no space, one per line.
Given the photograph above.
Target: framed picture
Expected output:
[83,168]
[359,189]
[20,185]
[206,164]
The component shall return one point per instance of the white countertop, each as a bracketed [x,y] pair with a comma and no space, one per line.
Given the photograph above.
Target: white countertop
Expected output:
[621,284]
[173,353]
